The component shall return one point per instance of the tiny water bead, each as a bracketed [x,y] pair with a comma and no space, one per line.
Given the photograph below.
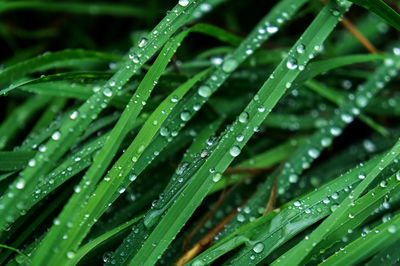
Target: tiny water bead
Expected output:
[272,29]
[229,65]
[243,117]
[107,92]
[20,183]
[313,153]
[32,162]
[293,178]
[234,151]
[56,135]
[216,177]
[361,176]
[204,91]
[258,248]
[70,254]
[291,63]
[142,43]
[300,48]
[73,115]
[183,2]
[185,116]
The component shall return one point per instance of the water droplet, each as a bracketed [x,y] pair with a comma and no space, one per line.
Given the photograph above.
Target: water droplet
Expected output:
[347,118]
[272,29]
[313,153]
[392,229]
[351,216]
[300,48]
[229,65]
[240,218]
[204,91]
[261,109]
[132,177]
[185,116]
[325,142]
[234,151]
[142,43]
[32,162]
[73,115]
[243,117]
[174,99]
[258,248]
[398,176]
[56,135]
[164,131]
[107,92]
[291,63]
[383,183]
[70,254]
[121,190]
[20,183]
[183,2]
[216,177]
[297,203]
[361,101]
[336,131]
[293,178]
[361,176]
[239,138]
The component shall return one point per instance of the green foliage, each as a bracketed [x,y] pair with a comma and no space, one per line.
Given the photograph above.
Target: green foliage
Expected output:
[228,133]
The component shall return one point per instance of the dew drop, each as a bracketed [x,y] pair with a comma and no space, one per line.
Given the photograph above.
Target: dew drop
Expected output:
[216,177]
[56,135]
[73,115]
[258,248]
[107,92]
[183,2]
[204,91]
[164,131]
[32,162]
[300,48]
[293,178]
[20,184]
[229,65]
[240,138]
[297,203]
[361,176]
[185,116]
[272,29]
[313,153]
[234,151]
[291,63]
[243,117]
[142,43]
[336,131]
[392,229]
[70,254]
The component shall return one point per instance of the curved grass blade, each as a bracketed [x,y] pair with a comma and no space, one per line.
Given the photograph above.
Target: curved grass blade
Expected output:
[68,57]
[381,9]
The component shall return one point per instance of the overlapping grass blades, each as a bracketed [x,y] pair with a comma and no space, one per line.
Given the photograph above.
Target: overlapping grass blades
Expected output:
[71,129]
[227,147]
[217,153]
